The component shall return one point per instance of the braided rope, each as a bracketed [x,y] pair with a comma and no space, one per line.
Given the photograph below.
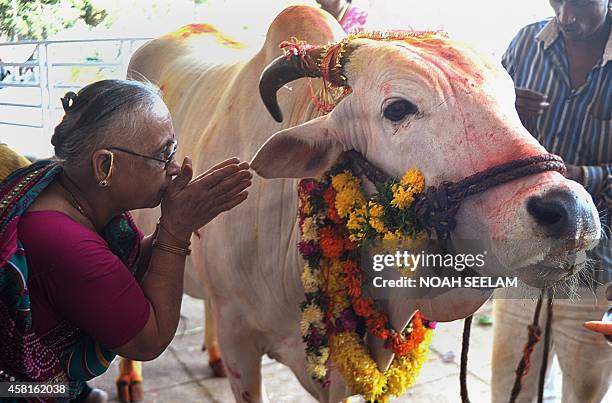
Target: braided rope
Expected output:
[436,207]
[533,337]
[465,346]
[549,315]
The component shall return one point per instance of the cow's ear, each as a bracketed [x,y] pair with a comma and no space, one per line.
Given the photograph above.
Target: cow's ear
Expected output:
[303,151]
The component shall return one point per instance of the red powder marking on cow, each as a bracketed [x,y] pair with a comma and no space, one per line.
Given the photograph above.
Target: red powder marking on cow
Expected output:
[200,28]
[386,89]
[206,29]
[447,58]
[233,373]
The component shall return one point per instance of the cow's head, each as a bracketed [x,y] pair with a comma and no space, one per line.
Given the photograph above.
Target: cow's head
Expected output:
[424,101]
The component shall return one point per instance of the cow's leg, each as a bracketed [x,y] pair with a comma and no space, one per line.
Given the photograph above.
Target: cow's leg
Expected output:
[584,356]
[211,342]
[241,349]
[129,382]
[509,337]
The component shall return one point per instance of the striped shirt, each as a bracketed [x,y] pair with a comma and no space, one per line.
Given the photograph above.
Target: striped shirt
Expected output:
[577,124]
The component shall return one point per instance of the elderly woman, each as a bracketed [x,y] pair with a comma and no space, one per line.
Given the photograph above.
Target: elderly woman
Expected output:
[79,283]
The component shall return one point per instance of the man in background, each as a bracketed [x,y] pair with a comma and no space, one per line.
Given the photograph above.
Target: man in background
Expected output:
[350,17]
[562,70]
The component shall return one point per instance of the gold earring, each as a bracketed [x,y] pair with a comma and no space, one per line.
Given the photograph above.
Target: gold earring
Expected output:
[106,181]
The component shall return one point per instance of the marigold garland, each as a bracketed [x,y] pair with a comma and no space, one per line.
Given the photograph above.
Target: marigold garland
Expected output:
[335,219]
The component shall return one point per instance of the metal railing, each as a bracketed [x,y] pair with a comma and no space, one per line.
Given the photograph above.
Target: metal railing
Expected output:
[44,75]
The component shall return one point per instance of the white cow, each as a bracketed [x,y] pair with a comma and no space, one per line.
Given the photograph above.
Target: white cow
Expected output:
[452,115]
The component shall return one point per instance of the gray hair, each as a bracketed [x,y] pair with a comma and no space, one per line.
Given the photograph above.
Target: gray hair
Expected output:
[97,114]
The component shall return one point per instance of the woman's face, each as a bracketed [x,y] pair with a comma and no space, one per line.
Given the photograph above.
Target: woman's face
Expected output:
[142,180]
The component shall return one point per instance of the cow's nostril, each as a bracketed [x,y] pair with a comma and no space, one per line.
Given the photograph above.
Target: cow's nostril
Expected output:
[555,212]
[544,214]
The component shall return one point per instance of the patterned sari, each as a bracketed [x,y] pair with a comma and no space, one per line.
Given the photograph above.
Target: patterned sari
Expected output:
[64,354]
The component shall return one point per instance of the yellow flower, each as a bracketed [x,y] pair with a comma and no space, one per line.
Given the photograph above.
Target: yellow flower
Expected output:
[357,236]
[304,325]
[309,230]
[415,179]
[344,179]
[378,225]
[393,235]
[338,303]
[347,198]
[306,207]
[319,359]
[356,219]
[316,370]
[376,210]
[324,355]
[309,280]
[348,192]
[312,314]
[360,373]
[402,197]
[336,289]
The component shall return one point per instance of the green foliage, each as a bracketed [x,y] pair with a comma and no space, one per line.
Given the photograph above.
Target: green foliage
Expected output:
[37,19]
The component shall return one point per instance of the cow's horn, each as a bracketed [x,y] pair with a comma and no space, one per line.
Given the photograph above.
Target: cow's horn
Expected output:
[283,70]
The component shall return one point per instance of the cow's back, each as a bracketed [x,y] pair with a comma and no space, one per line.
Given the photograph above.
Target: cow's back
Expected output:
[217,112]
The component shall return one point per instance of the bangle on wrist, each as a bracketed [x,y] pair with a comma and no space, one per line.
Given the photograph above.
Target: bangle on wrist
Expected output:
[166,247]
[181,243]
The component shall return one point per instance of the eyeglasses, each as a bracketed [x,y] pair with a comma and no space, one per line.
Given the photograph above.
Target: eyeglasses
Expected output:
[167,154]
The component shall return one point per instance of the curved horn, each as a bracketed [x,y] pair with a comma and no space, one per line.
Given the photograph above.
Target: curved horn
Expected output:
[283,70]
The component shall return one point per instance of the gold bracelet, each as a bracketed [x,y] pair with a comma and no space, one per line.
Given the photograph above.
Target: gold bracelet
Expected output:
[174,237]
[177,250]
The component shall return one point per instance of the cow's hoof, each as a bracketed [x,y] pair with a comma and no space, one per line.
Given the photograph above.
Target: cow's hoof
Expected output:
[136,391]
[218,368]
[123,391]
[129,391]
[204,347]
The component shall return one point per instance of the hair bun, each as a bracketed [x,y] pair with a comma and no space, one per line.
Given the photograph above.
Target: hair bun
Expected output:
[68,101]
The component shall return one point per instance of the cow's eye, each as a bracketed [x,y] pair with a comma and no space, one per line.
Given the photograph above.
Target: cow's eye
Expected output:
[399,109]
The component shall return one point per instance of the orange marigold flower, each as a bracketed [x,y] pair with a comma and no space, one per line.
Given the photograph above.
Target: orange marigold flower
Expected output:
[332,246]
[353,285]
[350,266]
[397,344]
[362,306]
[377,326]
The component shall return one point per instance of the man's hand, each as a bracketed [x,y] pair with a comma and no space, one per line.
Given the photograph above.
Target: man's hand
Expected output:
[603,326]
[600,327]
[530,103]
